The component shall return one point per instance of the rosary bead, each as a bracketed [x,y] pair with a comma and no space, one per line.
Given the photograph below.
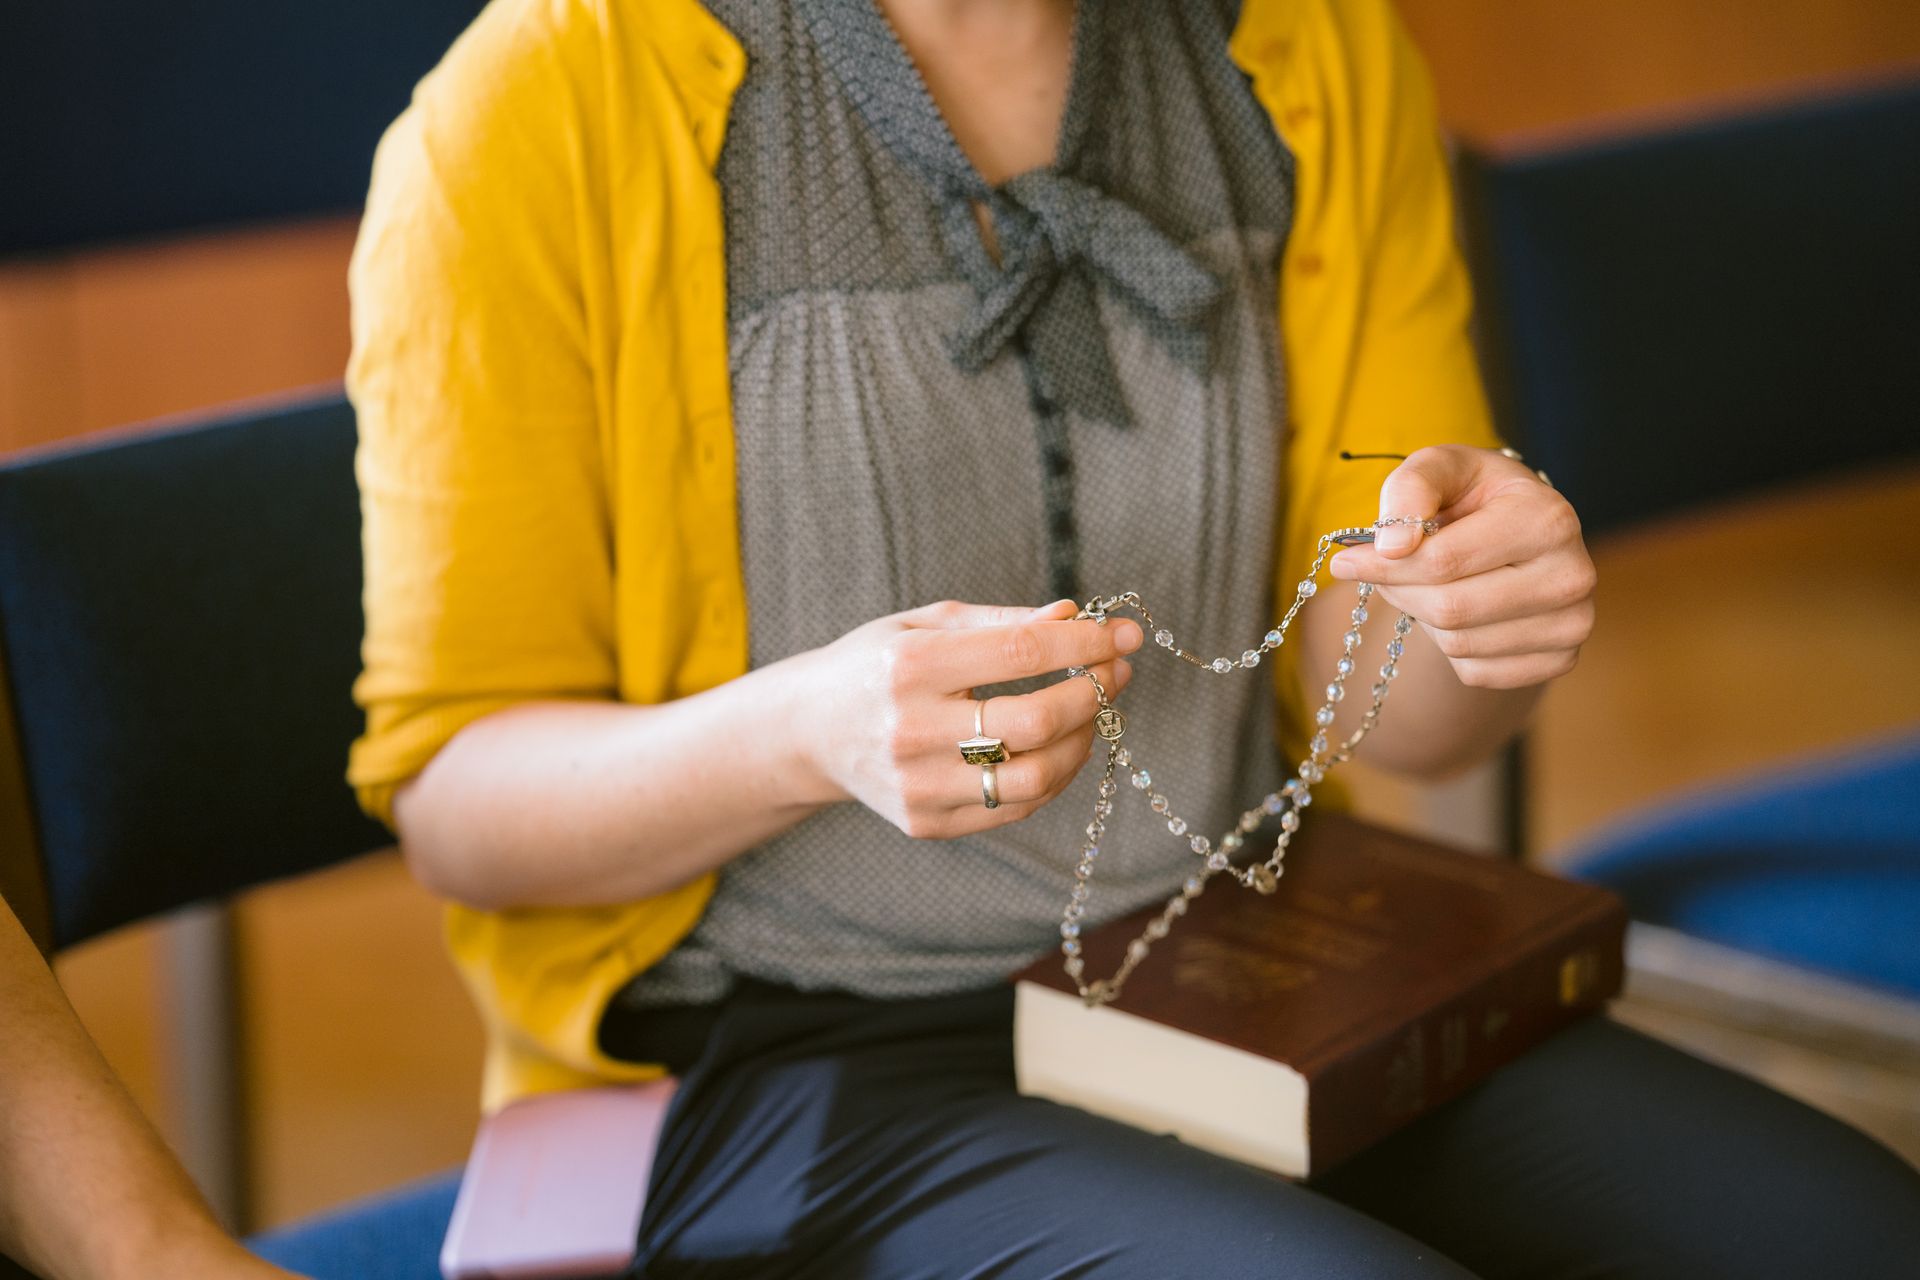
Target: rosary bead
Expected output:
[1177,825]
[1199,844]
[1359,614]
[1311,771]
[1071,946]
[1178,906]
[1395,648]
[1290,820]
[1159,802]
[1293,786]
[1222,665]
[1108,786]
[1103,808]
[1084,870]
[1232,841]
[1217,861]
[1344,666]
[1137,950]
[1157,928]
[1142,780]
[1075,966]
[1163,638]
[1249,820]
[1387,671]
[1366,589]
[1069,930]
[1402,625]
[1318,744]
[1251,658]
[1335,692]
[1323,717]
[1074,911]
[1351,639]
[1274,803]
[1193,886]
[1303,799]
[1307,587]
[1274,637]
[1081,891]
[1123,757]
[1380,689]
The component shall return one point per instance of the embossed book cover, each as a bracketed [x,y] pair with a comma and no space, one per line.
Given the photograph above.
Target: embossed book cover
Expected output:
[1290,1031]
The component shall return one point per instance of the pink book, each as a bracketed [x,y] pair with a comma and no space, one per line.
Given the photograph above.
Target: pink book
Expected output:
[556,1184]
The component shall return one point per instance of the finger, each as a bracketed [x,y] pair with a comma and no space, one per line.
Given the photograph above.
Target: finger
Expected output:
[1030,775]
[950,661]
[1566,628]
[1517,672]
[1029,720]
[951,614]
[1517,524]
[1419,488]
[1498,595]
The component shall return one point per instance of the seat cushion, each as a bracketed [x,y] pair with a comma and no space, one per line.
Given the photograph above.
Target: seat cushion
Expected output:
[1817,864]
[393,1236]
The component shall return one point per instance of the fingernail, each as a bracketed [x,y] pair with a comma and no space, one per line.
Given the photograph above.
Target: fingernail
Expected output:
[1341,566]
[1046,609]
[1128,635]
[1124,668]
[1395,539]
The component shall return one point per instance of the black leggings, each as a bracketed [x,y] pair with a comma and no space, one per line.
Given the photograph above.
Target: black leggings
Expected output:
[834,1137]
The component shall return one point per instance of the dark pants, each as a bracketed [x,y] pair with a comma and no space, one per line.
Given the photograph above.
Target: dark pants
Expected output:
[833,1137]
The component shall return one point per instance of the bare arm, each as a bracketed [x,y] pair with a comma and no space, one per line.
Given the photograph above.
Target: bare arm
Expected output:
[87,1190]
[566,803]
[1503,593]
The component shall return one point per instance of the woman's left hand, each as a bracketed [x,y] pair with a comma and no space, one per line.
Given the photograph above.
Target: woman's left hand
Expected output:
[1505,588]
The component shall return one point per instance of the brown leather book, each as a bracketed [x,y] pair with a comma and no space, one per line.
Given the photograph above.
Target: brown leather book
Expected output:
[1385,975]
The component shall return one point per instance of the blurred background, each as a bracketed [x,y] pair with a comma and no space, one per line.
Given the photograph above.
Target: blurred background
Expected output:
[1695,230]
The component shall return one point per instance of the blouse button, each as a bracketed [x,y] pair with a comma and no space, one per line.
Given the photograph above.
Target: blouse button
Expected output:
[1310,264]
[1276,49]
[1298,116]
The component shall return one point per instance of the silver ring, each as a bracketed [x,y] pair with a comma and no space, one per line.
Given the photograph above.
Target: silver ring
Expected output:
[989,787]
[979,714]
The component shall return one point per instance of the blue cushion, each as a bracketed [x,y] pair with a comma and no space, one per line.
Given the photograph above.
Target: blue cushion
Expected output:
[395,1236]
[1691,313]
[180,612]
[149,118]
[1817,864]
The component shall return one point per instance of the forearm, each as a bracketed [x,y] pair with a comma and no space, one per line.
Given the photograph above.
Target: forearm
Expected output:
[1433,726]
[87,1190]
[573,803]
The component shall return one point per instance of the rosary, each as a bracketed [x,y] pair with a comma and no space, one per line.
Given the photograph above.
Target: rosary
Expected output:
[1284,804]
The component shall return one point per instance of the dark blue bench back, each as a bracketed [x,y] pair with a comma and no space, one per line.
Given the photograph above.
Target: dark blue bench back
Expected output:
[180,614]
[123,119]
[1704,311]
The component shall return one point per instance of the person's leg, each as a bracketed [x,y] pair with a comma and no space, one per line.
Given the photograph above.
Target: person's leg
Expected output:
[846,1141]
[1604,1154]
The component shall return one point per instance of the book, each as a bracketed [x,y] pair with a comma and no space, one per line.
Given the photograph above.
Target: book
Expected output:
[556,1184]
[1384,976]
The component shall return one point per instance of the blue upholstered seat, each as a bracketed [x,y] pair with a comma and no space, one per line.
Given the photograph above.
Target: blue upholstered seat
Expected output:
[1818,864]
[392,1236]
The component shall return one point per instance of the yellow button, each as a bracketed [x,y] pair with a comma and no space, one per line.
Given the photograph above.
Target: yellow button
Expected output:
[1310,264]
[1297,116]
[1275,49]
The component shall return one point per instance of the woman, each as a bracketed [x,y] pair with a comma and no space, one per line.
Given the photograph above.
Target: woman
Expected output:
[734,380]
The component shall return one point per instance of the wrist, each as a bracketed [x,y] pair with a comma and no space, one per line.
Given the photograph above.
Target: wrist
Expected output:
[796,687]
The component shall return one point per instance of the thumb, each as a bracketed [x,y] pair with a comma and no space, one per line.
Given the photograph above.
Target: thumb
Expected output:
[1428,482]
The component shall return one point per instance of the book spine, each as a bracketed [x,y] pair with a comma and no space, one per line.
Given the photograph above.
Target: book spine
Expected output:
[1382,1085]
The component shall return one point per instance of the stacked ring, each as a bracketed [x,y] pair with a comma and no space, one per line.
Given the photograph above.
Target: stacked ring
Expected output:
[985,752]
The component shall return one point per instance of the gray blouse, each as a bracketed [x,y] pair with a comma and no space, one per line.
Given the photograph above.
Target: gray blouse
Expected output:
[1100,411]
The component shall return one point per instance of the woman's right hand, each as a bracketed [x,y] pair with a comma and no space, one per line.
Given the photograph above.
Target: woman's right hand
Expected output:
[893,697]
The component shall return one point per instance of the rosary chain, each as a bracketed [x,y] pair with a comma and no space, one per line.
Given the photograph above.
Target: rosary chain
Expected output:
[1285,804]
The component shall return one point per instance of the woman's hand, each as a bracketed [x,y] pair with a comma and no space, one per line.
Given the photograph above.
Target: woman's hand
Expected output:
[894,697]
[1505,588]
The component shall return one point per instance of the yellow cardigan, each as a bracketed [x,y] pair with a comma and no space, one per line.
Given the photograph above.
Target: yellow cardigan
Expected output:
[540,371]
